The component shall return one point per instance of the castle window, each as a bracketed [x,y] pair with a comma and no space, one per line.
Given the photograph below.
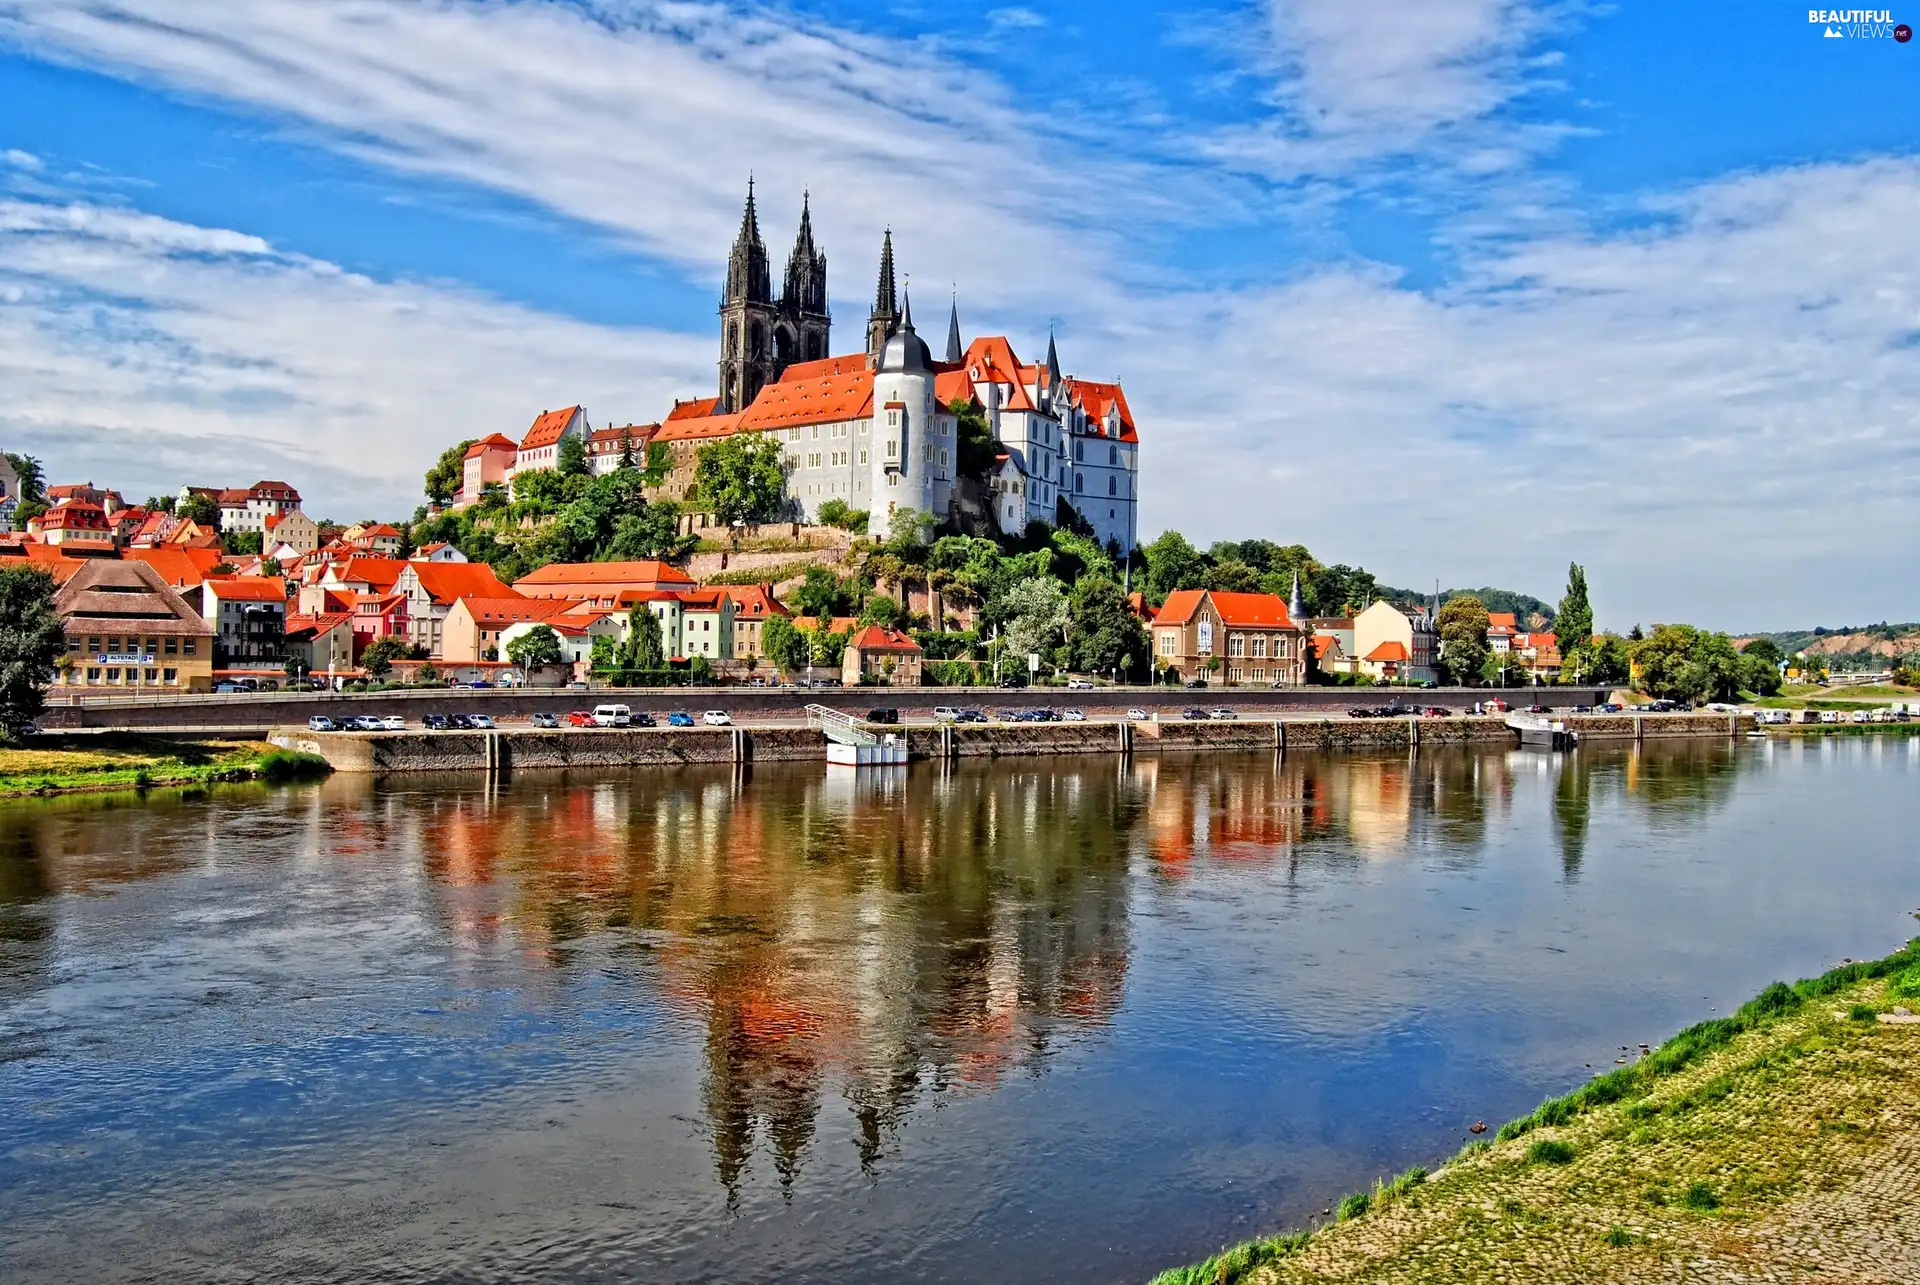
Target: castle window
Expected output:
[1113,454]
[1079,482]
[893,449]
[1113,486]
[863,457]
[793,435]
[1259,646]
[893,419]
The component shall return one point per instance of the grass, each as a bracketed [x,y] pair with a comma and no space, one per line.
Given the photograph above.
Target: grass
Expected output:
[59,764]
[1728,1119]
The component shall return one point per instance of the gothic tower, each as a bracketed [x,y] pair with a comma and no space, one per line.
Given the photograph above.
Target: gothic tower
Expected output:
[885,317]
[747,317]
[801,334]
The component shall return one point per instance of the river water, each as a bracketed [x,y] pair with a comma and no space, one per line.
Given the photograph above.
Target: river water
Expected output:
[1062,1020]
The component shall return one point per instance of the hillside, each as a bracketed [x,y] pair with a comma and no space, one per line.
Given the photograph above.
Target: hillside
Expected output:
[1852,646]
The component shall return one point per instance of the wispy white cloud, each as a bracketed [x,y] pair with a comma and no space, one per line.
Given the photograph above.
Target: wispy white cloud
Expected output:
[20,160]
[152,352]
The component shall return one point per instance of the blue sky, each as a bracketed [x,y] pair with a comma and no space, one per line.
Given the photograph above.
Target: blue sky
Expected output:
[1462,289]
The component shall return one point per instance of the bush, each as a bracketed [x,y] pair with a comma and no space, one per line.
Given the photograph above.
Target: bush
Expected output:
[1352,1207]
[1549,1151]
[1700,1196]
[280,766]
[1906,985]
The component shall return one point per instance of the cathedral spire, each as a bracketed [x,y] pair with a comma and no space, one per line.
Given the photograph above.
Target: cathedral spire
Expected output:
[954,352]
[1296,608]
[806,280]
[747,277]
[1053,362]
[885,317]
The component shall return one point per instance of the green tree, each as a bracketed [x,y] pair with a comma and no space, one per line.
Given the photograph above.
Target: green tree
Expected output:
[627,457]
[788,648]
[1462,626]
[31,641]
[1606,661]
[244,543]
[644,648]
[380,654]
[539,646]
[1233,577]
[1102,635]
[650,531]
[571,458]
[427,673]
[448,473]
[659,464]
[33,488]
[1036,612]
[1682,663]
[1172,563]
[975,446]
[822,595]
[908,531]
[741,478]
[201,509]
[883,611]
[828,646]
[1573,622]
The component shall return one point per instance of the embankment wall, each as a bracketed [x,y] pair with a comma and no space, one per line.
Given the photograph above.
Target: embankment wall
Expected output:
[378,752]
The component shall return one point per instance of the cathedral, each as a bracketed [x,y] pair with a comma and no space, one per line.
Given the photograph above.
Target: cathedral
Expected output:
[875,429]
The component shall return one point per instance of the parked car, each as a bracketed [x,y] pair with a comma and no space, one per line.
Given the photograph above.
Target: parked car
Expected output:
[883,714]
[1611,707]
[717,718]
[612,716]
[946,714]
[1437,711]
[580,718]
[1538,708]
[1074,715]
[544,720]
[224,688]
[1583,709]
[1223,714]
[1137,715]
[679,718]
[1079,684]
[321,723]
[1360,711]
[642,719]
[1195,714]
[971,716]
[1013,680]
[1194,684]
[479,682]
[435,723]
[480,722]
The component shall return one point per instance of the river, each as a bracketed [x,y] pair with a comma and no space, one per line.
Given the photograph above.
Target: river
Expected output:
[1048,1020]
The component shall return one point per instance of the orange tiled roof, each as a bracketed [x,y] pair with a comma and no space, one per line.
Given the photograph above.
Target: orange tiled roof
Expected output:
[754,600]
[1393,650]
[876,638]
[1097,398]
[991,357]
[378,572]
[1179,607]
[1501,620]
[495,610]
[603,573]
[698,408]
[1252,610]
[179,565]
[447,581]
[491,442]
[548,427]
[693,430]
[812,399]
[248,588]
[319,622]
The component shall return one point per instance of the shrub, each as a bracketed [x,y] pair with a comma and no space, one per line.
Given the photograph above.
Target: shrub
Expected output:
[1352,1207]
[1700,1196]
[280,766]
[1549,1151]
[1906,985]
[1620,1237]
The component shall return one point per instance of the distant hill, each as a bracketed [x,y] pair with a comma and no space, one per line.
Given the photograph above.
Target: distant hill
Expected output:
[1852,646]
[1528,610]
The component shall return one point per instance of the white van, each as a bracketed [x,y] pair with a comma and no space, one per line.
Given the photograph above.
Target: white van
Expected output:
[946,713]
[612,716]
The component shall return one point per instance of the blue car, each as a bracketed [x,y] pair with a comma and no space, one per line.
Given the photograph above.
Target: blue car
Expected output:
[679,718]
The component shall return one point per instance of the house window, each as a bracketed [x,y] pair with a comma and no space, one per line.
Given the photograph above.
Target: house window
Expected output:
[1281,649]
[93,675]
[1113,455]
[1079,450]
[186,646]
[1258,675]
[1169,644]
[1079,482]
[1236,675]
[893,419]
[1237,645]
[893,449]
[113,675]
[1113,486]
[1259,646]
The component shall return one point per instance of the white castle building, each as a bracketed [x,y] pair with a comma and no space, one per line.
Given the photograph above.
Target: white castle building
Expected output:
[875,429]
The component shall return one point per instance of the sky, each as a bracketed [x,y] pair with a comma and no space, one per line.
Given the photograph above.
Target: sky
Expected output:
[1457,290]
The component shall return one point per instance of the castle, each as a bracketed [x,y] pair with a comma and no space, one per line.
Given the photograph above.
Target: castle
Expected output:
[875,429]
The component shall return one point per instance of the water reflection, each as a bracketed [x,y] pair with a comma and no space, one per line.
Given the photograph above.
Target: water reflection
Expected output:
[834,954]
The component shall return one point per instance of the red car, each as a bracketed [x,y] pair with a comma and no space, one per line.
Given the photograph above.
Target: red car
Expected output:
[579,718]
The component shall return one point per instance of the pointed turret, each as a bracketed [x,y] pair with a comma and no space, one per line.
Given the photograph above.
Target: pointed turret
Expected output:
[1296,608]
[1053,363]
[955,353]
[747,275]
[885,317]
[806,283]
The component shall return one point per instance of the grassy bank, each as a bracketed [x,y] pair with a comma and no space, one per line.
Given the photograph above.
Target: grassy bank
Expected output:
[58,764]
[1784,1137]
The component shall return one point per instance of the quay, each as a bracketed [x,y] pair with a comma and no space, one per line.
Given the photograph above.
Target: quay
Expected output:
[529,748]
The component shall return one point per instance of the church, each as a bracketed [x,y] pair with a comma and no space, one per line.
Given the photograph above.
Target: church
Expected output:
[874,428]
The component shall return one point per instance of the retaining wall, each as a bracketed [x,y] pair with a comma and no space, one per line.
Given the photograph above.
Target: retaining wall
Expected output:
[640,747]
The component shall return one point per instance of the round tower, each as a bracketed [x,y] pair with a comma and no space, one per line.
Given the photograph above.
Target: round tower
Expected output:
[900,475]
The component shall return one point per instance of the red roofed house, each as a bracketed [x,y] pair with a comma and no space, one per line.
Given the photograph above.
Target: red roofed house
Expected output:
[540,448]
[1249,635]
[576,636]
[607,446]
[181,566]
[488,461]
[432,588]
[246,509]
[72,521]
[1501,628]
[880,657]
[753,606]
[249,619]
[1540,654]
[293,528]
[600,584]
[86,493]
[322,644]
[1410,629]
[474,626]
